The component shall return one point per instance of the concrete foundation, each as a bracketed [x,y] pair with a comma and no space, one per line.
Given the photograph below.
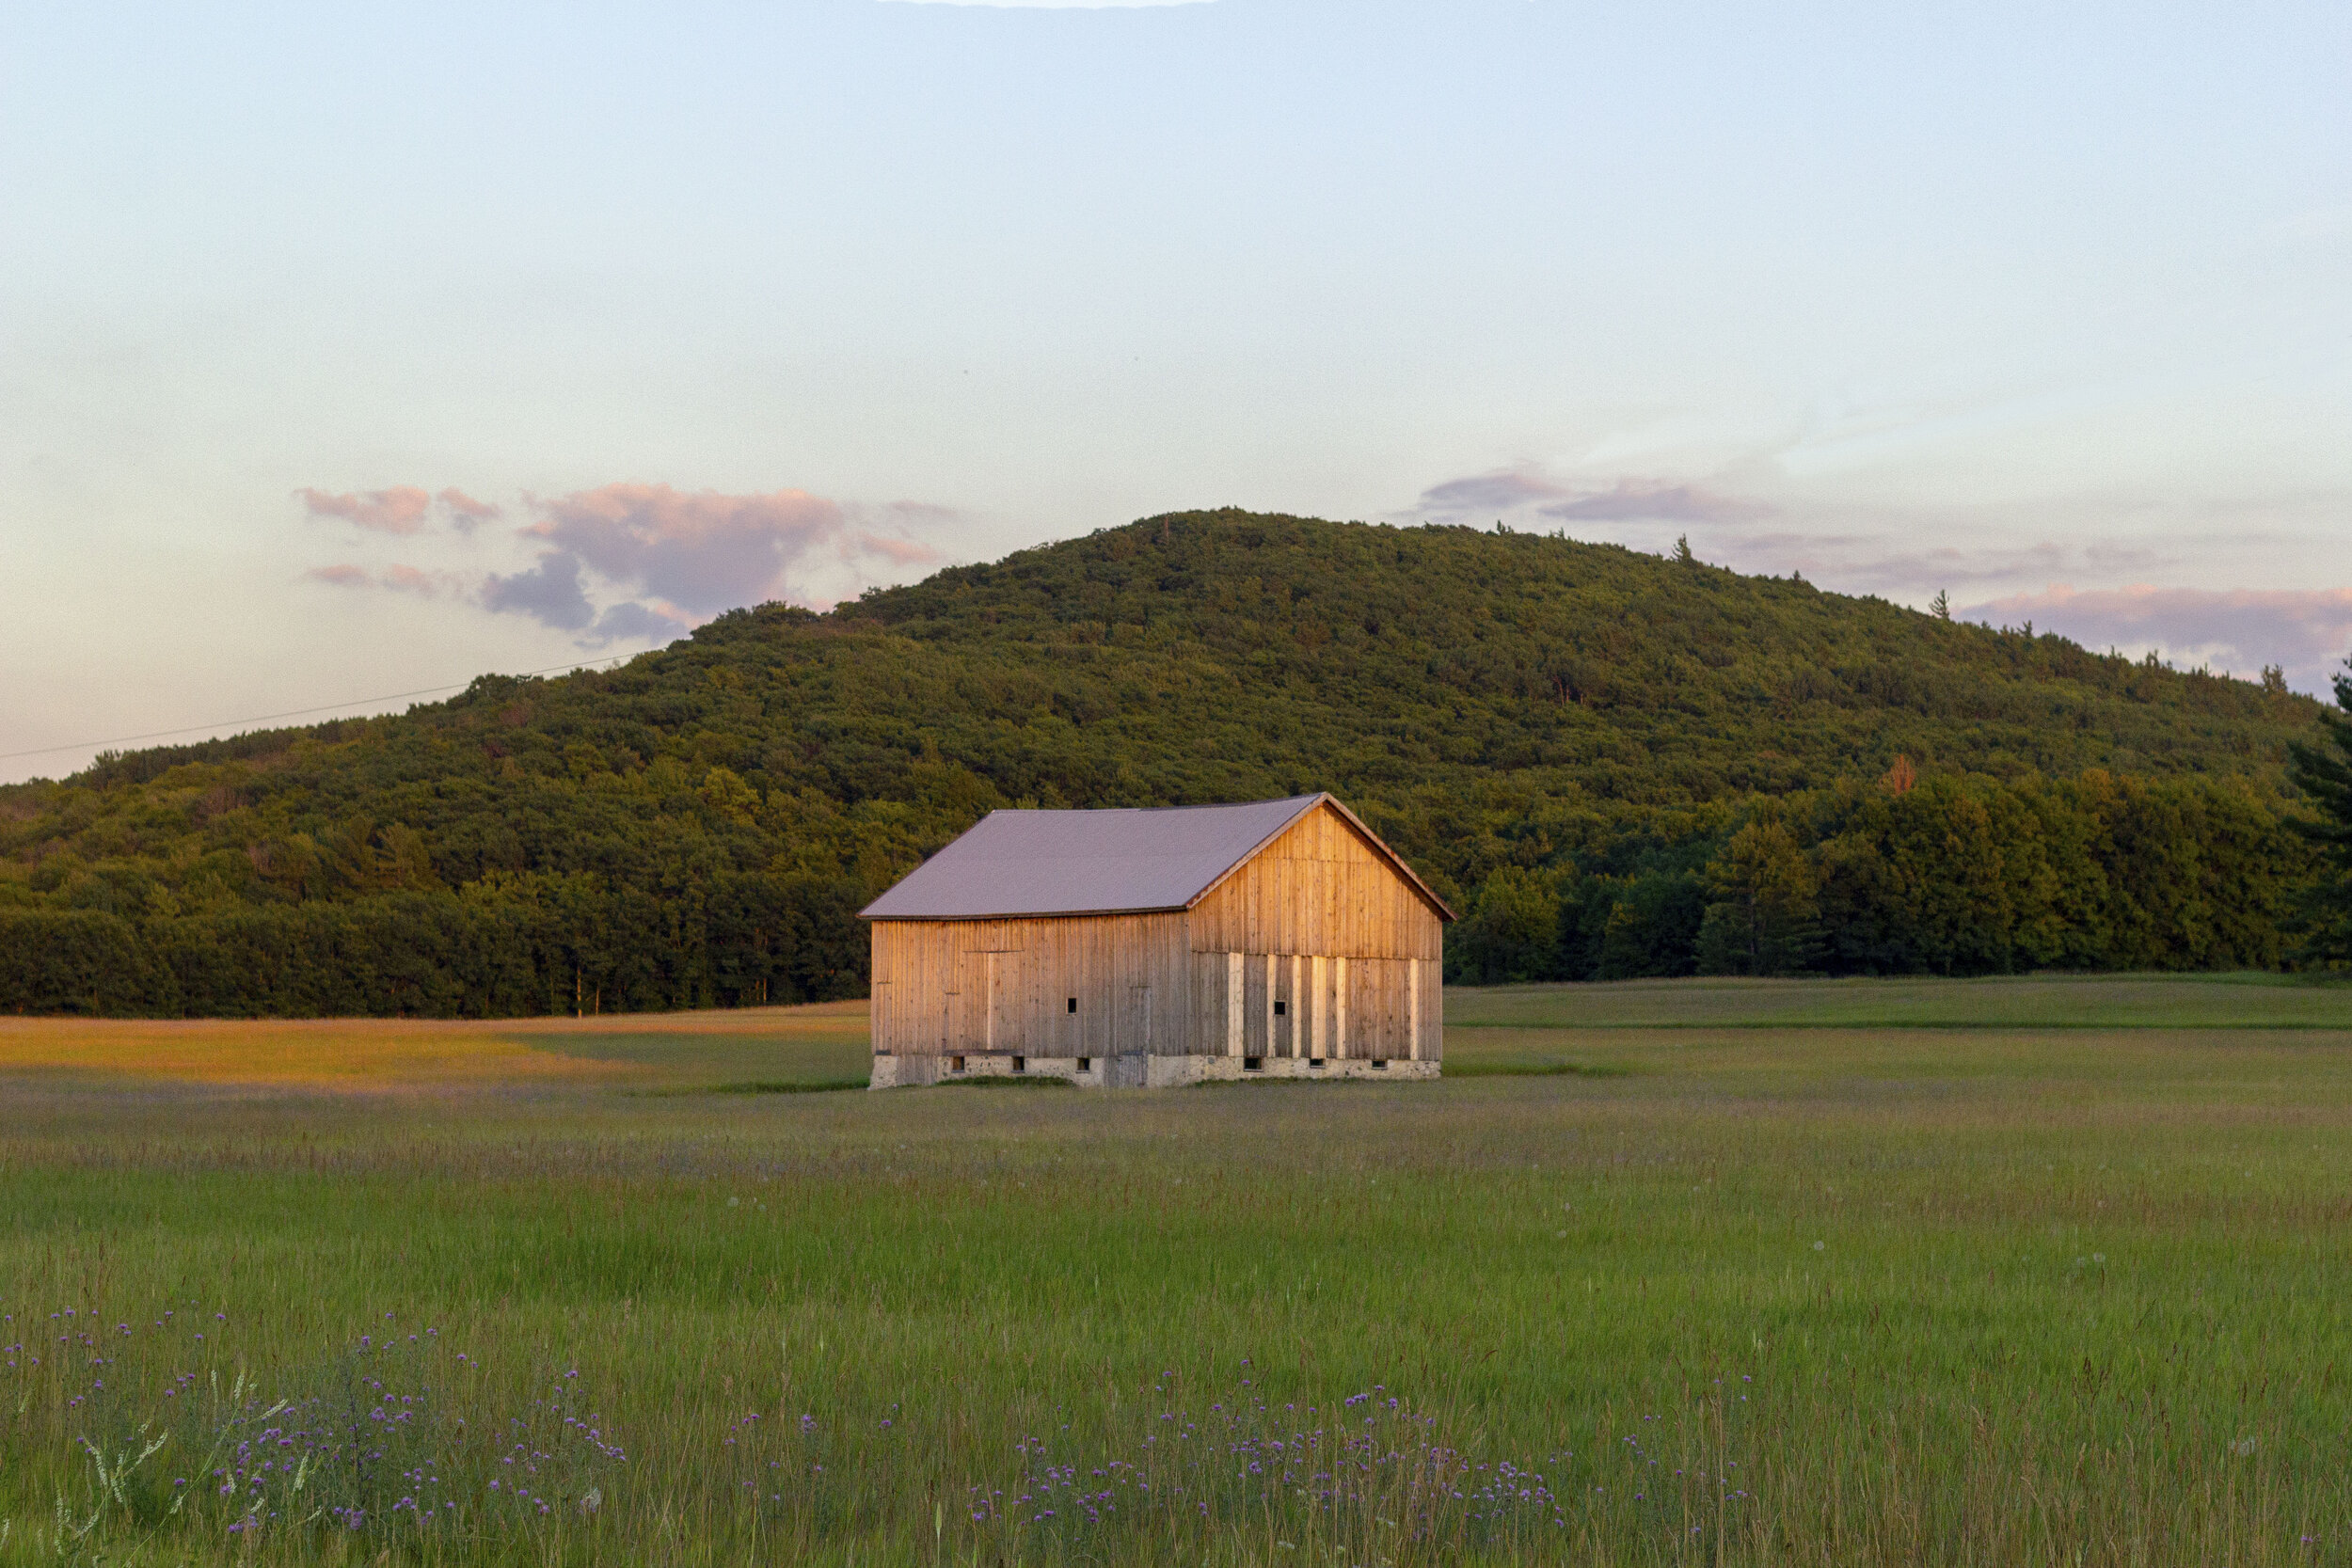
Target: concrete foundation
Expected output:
[1135,1072]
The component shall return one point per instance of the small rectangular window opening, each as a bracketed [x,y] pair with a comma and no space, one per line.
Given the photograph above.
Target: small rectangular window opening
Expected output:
[1379,1064]
[1281,1009]
[1314,1061]
[1253,1064]
[1073,1004]
[955,1064]
[1085,1064]
[1021,1064]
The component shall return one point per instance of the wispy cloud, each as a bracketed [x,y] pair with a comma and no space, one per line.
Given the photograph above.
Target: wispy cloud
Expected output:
[404,509]
[2305,632]
[900,552]
[400,509]
[465,513]
[1507,490]
[1908,561]
[400,580]
[701,551]
[1739,517]
[641,562]
[1637,502]
[1517,491]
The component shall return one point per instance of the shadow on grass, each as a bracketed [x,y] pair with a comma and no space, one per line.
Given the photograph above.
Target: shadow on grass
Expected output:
[780,1085]
[1539,1069]
[1465,1069]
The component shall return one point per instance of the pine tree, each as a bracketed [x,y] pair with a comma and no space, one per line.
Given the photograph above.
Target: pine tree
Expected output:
[2324,772]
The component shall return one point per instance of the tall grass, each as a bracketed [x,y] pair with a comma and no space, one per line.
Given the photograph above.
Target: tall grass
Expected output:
[1945,1297]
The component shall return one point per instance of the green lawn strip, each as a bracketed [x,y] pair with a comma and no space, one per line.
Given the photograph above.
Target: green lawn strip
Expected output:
[1887,1021]
[2037,1001]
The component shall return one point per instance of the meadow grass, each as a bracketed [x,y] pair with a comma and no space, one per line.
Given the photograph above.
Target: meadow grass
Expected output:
[2055,1291]
[2245,1000]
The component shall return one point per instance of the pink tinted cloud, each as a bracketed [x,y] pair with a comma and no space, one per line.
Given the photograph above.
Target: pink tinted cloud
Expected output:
[413,579]
[399,510]
[700,551]
[465,514]
[398,579]
[2305,631]
[402,509]
[641,562]
[898,552]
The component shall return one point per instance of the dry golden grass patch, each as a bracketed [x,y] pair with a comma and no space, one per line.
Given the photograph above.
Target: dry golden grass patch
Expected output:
[814,1021]
[367,1054]
[350,1053]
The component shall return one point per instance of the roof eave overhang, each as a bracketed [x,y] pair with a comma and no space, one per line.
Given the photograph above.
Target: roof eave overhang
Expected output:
[1029,915]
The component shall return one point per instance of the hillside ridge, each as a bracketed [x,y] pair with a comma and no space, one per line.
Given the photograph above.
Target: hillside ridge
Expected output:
[1490,701]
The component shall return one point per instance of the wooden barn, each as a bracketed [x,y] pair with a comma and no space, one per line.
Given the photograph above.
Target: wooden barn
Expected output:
[1131,949]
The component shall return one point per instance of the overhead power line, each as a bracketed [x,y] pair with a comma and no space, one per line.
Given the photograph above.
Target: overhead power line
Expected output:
[294,713]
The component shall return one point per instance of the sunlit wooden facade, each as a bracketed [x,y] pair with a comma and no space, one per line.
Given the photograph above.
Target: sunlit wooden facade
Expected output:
[1314,954]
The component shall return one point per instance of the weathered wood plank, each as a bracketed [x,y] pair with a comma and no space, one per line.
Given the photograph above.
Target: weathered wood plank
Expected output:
[1232,1003]
[1413,992]
[1339,1007]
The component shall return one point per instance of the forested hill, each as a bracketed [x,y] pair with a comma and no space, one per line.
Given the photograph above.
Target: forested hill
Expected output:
[1565,737]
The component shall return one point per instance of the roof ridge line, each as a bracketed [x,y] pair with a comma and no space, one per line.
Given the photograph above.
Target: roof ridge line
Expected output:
[1033,868]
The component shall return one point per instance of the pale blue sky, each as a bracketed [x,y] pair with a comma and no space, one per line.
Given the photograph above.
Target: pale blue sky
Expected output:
[2036,308]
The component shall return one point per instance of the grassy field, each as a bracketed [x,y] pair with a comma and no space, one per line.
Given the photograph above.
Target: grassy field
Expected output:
[1986,1272]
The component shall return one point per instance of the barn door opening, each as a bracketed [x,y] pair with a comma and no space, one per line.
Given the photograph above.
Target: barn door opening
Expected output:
[983,1006]
[1006,992]
[1135,1023]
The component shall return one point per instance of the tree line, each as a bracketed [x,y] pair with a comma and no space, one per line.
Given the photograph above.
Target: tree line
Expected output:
[1953,874]
[575,944]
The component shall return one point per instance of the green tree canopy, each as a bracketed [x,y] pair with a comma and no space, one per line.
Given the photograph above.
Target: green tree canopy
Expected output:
[1584,726]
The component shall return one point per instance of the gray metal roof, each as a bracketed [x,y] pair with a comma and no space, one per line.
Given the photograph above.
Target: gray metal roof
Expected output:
[1036,863]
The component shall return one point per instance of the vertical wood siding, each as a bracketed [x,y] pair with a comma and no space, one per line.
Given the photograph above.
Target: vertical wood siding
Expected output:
[1317,923]
[1323,924]
[960,985]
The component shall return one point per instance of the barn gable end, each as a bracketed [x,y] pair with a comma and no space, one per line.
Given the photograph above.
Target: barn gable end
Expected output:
[1321,886]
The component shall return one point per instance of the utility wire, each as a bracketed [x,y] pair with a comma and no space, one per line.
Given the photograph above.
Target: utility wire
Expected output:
[296,713]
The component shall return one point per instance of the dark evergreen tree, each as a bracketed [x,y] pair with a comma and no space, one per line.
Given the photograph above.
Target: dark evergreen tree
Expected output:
[2323,772]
